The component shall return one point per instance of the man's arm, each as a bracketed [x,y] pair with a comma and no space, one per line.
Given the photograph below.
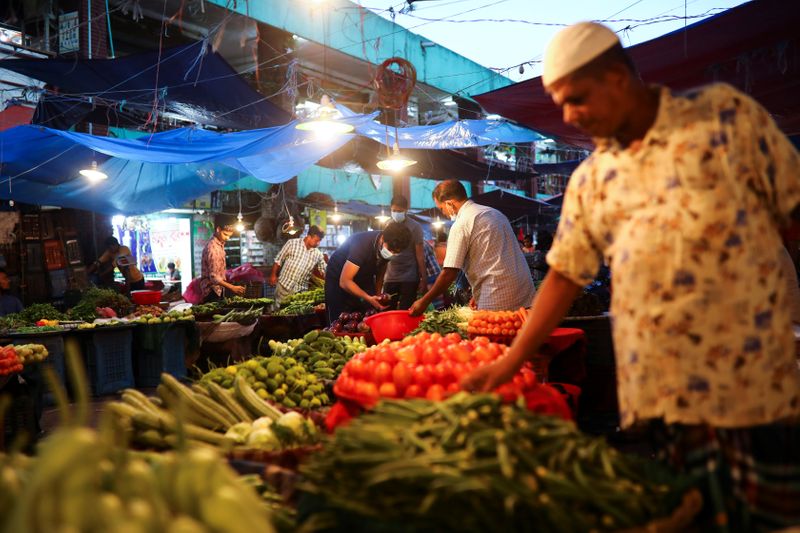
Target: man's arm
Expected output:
[419,251]
[379,277]
[276,266]
[443,282]
[273,275]
[347,283]
[549,306]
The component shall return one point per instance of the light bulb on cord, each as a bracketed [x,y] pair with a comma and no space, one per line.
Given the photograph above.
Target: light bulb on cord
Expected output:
[239,223]
[93,174]
[382,218]
[396,161]
[323,121]
[437,223]
[289,227]
[336,217]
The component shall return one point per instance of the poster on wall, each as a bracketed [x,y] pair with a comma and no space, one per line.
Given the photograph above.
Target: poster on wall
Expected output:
[169,241]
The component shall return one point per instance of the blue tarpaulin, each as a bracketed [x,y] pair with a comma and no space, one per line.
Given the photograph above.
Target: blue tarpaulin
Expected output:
[189,82]
[164,170]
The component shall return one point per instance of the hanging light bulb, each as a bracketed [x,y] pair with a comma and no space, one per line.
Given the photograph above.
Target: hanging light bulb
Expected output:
[336,217]
[239,223]
[93,174]
[395,161]
[324,121]
[289,227]
[382,218]
[437,223]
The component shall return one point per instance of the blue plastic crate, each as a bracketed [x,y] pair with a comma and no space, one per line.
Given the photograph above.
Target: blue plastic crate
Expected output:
[55,360]
[168,357]
[108,355]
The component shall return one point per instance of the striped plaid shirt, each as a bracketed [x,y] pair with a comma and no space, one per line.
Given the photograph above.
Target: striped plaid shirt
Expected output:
[484,246]
[297,262]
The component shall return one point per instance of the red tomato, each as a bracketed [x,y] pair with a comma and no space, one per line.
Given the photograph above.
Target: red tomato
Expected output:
[460,370]
[443,373]
[422,377]
[481,341]
[460,353]
[388,390]
[369,391]
[408,354]
[383,372]
[453,388]
[435,337]
[435,392]
[453,337]
[355,368]
[430,355]
[401,375]
[413,391]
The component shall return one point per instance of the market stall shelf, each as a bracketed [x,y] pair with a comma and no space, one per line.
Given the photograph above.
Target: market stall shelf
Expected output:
[108,356]
[158,348]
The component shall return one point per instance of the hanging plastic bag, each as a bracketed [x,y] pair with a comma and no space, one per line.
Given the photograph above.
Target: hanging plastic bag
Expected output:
[193,293]
[244,273]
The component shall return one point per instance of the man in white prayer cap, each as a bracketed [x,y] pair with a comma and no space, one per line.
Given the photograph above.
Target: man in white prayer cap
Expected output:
[683,197]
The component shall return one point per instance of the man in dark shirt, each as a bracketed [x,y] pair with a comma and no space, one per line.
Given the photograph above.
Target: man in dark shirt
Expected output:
[355,270]
[8,302]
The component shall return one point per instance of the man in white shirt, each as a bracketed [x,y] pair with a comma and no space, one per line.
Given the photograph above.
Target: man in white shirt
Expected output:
[483,245]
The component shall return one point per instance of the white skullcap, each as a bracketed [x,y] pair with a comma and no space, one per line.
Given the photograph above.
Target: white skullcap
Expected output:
[573,47]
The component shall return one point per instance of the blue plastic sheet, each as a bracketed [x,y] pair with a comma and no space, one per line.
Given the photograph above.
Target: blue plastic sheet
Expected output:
[168,169]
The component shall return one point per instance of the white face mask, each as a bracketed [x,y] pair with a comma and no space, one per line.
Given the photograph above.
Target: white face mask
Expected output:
[386,254]
[398,216]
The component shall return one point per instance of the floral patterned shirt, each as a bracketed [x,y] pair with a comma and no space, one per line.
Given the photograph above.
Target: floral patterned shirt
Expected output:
[687,219]
[212,267]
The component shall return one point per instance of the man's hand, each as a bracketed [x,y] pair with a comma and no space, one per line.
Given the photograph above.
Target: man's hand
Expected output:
[273,280]
[238,290]
[374,302]
[488,377]
[472,304]
[418,307]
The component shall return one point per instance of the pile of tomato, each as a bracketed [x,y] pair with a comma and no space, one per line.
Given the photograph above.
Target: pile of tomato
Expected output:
[426,365]
[10,363]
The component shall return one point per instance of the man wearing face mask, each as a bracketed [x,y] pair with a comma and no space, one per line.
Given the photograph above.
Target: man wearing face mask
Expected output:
[483,245]
[355,270]
[405,274]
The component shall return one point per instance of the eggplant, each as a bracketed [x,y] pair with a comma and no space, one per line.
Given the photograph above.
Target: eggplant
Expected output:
[344,318]
[356,316]
[351,326]
[363,327]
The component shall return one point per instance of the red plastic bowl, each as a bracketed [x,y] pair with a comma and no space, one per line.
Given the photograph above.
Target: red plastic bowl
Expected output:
[146,297]
[392,325]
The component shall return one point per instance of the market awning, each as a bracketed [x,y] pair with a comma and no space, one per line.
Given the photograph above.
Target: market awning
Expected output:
[189,82]
[753,47]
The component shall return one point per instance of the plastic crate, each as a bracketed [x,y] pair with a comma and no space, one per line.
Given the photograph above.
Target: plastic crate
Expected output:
[55,360]
[108,355]
[54,255]
[164,356]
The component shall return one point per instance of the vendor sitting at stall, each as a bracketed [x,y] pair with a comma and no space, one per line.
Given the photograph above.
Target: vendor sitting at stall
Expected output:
[121,258]
[356,269]
[8,302]
[295,263]
[212,270]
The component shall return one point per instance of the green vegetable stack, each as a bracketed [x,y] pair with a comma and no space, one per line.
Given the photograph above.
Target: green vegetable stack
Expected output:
[322,352]
[452,320]
[94,298]
[296,308]
[35,312]
[31,353]
[242,317]
[210,415]
[408,464]
[238,301]
[281,380]
[308,298]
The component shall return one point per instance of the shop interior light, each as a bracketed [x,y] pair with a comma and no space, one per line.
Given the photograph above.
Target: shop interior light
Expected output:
[341,238]
[336,217]
[382,218]
[437,223]
[396,161]
[239,223]
[93,174]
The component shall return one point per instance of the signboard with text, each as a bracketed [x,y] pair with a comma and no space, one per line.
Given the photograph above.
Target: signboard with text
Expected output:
[68,33]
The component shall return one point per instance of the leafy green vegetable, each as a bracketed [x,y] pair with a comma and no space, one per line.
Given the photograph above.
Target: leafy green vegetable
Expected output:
[94,298]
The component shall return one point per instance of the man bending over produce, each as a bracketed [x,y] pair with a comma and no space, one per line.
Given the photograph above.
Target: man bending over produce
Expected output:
[295,263]
[356,269]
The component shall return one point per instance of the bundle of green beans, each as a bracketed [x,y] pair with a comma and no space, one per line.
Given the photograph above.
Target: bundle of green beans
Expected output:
[310,298]
[472,464]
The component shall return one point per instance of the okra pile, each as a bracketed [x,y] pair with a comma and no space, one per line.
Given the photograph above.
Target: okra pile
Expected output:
[470,463]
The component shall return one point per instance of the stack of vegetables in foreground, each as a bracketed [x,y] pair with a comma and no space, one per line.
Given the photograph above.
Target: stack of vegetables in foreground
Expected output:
[321,352]
[499,326]
[452,320]
[209,415]
[471,463]
[424,365]
[82,480]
